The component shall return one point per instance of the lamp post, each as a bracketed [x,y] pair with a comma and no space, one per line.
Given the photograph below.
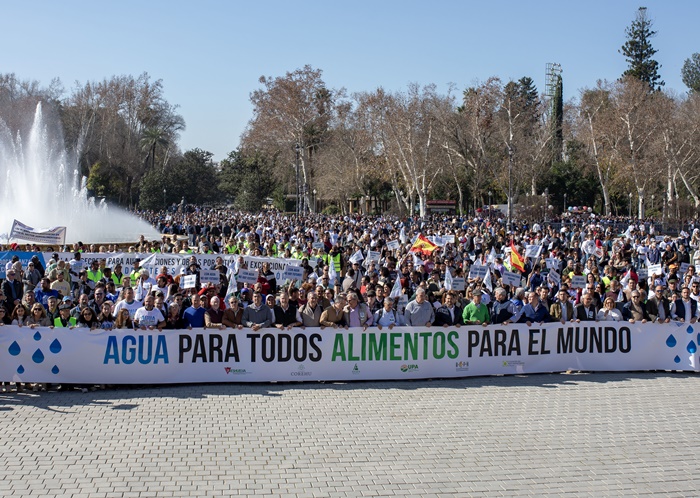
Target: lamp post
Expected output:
[315,206]
[297,149]
[510,186]
[165,205]
[652,202]
[490,194]
[565,202]
[630,211]
[546,202]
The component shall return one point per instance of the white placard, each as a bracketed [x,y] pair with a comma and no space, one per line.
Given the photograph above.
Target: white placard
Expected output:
[313,262]
[655,270]
[188,282]
[393,245]
[684,268]
[643,273]
[294,273]
[554,276]
[247,276]
[578,282]
[209,276]
[552,263]
[317,245]
[511,278]
[478,271]
[458,283]
[373,256]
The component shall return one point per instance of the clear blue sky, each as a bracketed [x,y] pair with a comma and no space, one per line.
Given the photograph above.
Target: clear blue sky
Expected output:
[210,54]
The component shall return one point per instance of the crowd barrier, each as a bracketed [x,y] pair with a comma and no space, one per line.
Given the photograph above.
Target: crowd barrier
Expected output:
[81,356]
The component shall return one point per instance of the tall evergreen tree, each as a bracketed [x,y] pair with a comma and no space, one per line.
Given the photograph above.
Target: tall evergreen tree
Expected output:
[690,73]
[639,52]
[557,121]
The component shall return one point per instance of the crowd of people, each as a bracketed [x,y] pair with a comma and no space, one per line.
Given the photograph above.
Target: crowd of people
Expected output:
[636,275]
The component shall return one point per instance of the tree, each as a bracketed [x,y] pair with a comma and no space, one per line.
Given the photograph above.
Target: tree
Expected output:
[246,180]
[558,121]
[690,73]
[639,52]
[151,138]
[292,110]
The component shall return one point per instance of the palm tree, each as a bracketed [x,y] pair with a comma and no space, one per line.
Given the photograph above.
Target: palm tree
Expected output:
[153,137]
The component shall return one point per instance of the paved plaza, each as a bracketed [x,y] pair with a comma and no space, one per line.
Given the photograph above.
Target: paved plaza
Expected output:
[606,434]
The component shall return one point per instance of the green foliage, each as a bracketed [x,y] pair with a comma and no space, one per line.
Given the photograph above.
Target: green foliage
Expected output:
[569,177]
[247,181]
[330,210]
[104,182]
[193,177]
[690,73]
[639,52]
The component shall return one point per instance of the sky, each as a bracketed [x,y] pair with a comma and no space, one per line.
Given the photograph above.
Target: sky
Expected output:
[211,54]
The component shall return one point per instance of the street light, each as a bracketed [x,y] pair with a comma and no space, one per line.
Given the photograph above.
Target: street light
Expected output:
[546,202]
[564,201]
[652,202]
[315,207]
[165,205]
[630,196]
[490,194]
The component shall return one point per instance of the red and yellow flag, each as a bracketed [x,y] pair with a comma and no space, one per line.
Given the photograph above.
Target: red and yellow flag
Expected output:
[516,260]
[423,245]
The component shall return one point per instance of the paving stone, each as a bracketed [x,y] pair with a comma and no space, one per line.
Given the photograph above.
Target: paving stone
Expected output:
[540,435]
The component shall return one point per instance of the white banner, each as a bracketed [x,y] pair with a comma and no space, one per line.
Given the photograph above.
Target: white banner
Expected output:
[126,356]
[55,235]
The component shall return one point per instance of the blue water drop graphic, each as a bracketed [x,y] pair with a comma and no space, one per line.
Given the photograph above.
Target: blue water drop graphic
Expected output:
[38,356]
[690,329]
[677,359]
[37,336]
[14,349]
[671,341]
[20,369]
[55,347]
[692,348]
[54,370]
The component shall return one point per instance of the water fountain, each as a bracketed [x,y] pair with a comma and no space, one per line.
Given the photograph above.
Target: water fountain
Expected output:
[41,186]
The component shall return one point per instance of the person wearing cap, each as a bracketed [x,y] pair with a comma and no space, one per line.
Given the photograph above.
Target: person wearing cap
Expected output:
[94,274]
[476,312]
[136,272]
[64,319]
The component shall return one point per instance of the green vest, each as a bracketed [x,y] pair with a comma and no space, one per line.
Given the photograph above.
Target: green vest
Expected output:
[94,276]
[57,322]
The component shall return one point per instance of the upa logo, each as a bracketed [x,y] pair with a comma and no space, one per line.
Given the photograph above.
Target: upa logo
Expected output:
[355,370]
[409,368]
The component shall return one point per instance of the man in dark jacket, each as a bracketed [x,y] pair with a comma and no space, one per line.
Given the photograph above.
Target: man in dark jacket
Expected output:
[449,313]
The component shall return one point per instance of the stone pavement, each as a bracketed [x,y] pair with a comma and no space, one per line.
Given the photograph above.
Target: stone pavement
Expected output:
[606,434]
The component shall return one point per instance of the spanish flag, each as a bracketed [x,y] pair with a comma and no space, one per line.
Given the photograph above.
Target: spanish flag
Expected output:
[516,260]
[423,245]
